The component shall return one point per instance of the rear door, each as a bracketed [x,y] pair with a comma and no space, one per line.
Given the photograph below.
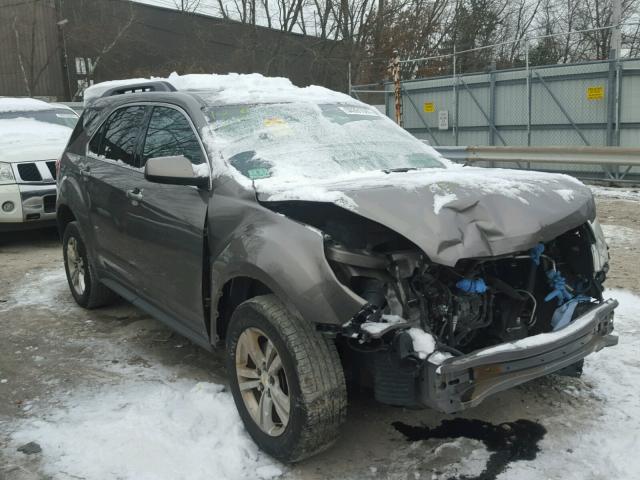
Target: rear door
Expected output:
[168,237]
[111,171]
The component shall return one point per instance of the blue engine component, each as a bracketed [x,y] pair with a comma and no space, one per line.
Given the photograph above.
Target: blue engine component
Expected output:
[470,285]
[536,253]
[563,315]
[559,285]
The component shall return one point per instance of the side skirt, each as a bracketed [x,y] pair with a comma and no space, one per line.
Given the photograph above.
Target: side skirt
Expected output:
[158,314]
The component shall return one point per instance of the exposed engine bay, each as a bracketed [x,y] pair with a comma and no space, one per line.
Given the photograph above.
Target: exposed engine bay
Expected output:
[476,304]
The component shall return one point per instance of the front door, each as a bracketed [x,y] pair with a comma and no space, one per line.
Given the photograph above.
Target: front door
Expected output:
[169,222]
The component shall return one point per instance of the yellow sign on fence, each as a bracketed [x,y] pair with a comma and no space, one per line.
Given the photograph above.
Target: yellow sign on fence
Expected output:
[595,93]
[429,107]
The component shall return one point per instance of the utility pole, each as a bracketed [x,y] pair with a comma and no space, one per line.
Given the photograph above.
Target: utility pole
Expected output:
[62,49]
[394,70]
[616,34]
[614,55]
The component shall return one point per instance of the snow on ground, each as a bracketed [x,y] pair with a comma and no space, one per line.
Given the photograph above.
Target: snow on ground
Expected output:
[146,422]
[604,441]
[40,289]
[151,423]
[593,424]
[141,429]
[632,194]
[620,236]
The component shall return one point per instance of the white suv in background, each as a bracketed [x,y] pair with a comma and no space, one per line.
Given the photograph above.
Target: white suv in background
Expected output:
[33,135]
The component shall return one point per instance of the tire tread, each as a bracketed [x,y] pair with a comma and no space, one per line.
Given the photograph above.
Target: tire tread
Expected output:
[320,372]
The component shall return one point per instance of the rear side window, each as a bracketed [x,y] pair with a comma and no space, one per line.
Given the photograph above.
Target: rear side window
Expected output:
[121,135]
[170,134]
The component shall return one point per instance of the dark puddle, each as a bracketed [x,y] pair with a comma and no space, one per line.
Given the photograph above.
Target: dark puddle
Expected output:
[507,442]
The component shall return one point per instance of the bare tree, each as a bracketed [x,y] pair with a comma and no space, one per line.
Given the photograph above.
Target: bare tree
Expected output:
[187,5]
[32,63]
[104,42]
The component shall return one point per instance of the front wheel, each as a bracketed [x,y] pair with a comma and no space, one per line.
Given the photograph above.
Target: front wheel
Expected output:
[286,380]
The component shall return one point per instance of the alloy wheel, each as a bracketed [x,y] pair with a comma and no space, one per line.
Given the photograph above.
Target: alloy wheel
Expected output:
[75,266]
[263,381]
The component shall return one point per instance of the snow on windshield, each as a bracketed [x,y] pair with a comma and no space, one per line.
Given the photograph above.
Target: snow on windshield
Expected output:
[294,140]
[11,108]
[19,132]
[55,116]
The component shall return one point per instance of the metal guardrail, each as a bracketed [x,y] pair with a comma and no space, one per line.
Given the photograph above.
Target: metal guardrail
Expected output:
[617,163]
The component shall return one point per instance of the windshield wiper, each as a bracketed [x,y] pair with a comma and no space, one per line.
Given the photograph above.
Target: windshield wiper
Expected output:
[401,169]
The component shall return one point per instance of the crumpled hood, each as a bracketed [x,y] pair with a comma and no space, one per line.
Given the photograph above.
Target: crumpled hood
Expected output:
[456,212]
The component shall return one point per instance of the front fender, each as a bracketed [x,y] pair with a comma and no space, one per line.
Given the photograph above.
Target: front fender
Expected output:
[287,257]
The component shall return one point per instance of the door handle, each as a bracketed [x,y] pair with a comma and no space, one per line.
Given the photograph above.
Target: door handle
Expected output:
[135,194]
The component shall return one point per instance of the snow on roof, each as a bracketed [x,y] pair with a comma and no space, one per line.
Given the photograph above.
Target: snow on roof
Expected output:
[17,104]
[235,88]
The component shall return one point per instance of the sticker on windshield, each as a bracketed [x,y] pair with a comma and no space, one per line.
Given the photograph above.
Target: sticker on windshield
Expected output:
[351,110]
[257,173]
[273,122]
[66,115]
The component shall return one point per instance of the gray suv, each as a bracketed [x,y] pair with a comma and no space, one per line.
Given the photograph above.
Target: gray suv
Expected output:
[321,244]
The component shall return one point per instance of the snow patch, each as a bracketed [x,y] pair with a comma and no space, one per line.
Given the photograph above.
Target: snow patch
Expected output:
[566,194]
[20,132]
[17,104]
[440,201]
[235,88]
[438,357]
[42,289]
[201,170]
[315,194]
[148,430]
[601,422]
[98,89]
[631,194]
[423,343]
[511,184]
[620,236]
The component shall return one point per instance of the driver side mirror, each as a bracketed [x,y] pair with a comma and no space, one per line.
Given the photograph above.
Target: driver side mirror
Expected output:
[176,170]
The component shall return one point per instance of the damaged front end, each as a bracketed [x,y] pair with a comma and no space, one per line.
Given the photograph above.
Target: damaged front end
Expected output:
[447,337]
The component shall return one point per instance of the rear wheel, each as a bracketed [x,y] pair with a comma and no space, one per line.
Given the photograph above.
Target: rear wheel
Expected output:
[85,287]
[286,380]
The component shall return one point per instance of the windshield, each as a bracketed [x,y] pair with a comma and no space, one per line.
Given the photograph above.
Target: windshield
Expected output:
[57,116]
[315,141]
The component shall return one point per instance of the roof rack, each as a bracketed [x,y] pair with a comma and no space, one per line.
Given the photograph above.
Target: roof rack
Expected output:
[156,86]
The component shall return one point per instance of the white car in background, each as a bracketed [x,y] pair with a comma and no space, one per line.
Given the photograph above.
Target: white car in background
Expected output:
[33,135]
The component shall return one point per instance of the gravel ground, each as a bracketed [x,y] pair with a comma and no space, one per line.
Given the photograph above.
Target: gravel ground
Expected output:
[112,393]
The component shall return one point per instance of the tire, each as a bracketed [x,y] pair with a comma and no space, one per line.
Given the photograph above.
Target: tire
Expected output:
[314,379]
[85,287]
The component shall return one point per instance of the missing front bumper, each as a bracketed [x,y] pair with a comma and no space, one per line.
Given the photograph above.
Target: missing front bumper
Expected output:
[463,382]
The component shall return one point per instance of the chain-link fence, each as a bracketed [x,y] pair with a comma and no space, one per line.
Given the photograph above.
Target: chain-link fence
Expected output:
[539,91]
